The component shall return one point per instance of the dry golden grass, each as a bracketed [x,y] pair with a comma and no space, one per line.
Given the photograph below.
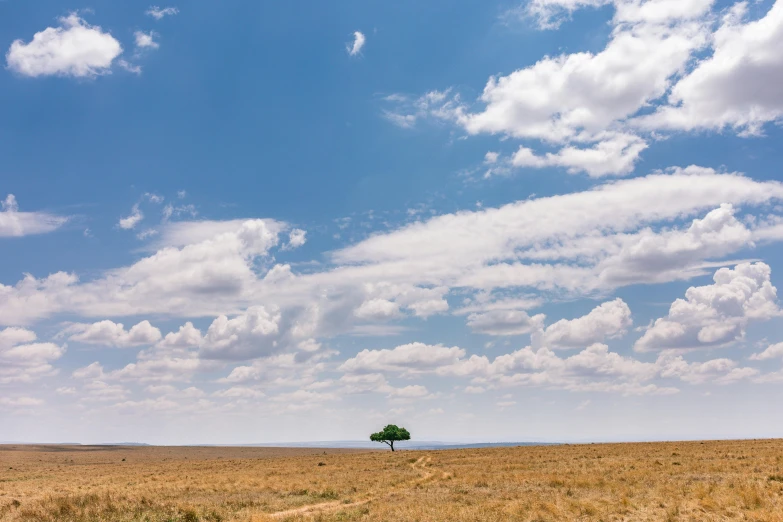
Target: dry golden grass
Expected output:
[732,480]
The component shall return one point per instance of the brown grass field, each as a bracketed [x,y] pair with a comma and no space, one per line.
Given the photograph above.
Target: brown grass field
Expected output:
[726,480]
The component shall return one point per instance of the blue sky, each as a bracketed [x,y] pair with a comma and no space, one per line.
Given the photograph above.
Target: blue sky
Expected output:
[553,220]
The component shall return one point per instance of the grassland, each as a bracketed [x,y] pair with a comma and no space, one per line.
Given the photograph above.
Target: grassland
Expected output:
[731,480]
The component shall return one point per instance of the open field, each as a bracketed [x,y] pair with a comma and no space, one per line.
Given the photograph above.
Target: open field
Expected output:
[732,480]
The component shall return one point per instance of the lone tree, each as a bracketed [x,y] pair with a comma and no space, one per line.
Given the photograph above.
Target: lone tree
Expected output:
[389,434]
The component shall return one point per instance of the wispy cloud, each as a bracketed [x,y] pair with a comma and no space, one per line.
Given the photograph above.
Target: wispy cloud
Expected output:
[358,43]
[159,12]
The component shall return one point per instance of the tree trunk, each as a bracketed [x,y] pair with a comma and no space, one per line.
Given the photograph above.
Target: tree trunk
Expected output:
[392,445]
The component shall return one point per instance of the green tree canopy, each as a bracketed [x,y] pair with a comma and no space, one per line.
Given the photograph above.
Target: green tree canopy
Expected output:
[390,434]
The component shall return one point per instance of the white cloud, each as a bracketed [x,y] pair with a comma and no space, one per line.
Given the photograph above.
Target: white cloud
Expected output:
[158,13]
[253,333]
[130,67]
[581,102]
[130,222]
[485,301]
[593,106]
[146,41]
[651,256]
[716,93]
[303,400]
[614,154]
[222,268]
[405,121]
[187,233]
[384,299]
[665,67]
[718,371]
[239,392]
[549,14]
[773,351]
[159,366]
[281,370]
[593,369]
[358,43]
[575,245]
[109,333]
[188,336]
[377,383]
[73,49]
[661,11]
[608,320]
[91,371]
[587,231]
[24,360]
[412,358]
[490,158]
[17,224]
[716,314]
[504,322]
[296,238]
[413,391]
[377,309]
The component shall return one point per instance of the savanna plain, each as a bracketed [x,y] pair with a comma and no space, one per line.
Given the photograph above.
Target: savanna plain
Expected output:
[711,480]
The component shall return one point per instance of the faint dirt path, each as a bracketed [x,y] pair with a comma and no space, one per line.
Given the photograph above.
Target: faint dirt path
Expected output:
[420,465]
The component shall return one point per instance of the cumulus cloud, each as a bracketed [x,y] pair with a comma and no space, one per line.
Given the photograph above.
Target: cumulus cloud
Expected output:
[186,337]
[251,334]
[593,108]
[377,309]
[296,238]
[109,333]
[14,223]
[549,14]
[504,322]
[24,360]
[576,245]
[410,358]
[595,368]
[578,241]
[582,102]
[358,43]
[608,320]
[652,256]
[156,366]
[720,371]
[717,314]
[75,48]
[281,370]
[773,351]
[716,93]
[377,383]
[241,392]
[613,155]
[161,363]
